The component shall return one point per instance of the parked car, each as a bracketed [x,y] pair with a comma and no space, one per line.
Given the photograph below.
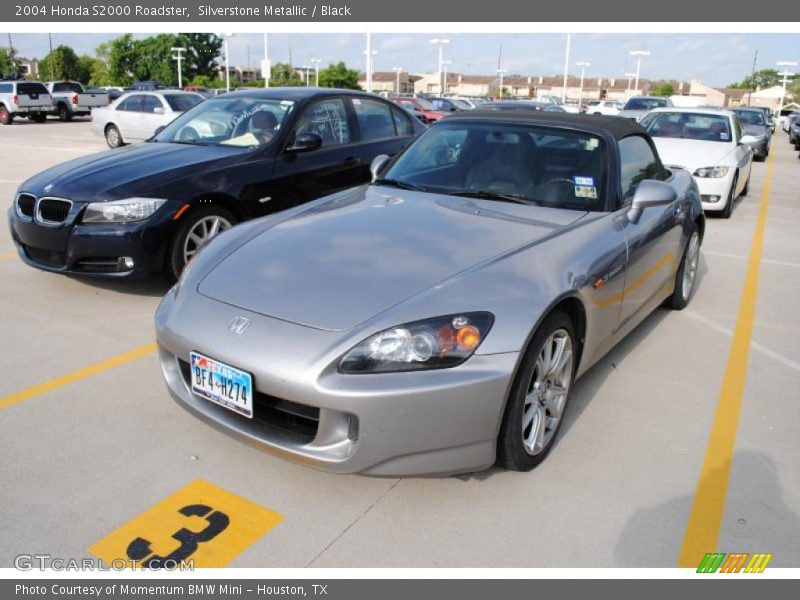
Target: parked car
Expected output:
[465,103]
[71,100]
[148,86]
[150,207]
[521,105]
[445,105]
[23,99]
[639,106]
[135,116]
[769,116]
[710,144]
[787,121]
[604,107]
[436,320]
[755,124]
[794,133]
[550,99]
[423,105]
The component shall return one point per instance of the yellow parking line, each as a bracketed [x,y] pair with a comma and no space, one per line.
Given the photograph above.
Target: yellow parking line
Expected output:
[8,255]
[53,384]
[705,518]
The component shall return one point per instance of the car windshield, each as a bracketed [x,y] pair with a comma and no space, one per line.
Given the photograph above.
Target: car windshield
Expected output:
[31,88]
[425,104]
[182,102]
[692,126]
[243,121]
[526,164]
[750,117]
[645,103]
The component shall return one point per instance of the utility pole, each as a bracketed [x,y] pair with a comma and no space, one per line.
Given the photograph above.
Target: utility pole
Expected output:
[50,40]
[12,55]
[501,72]
[752,79]
[638,54]
[441,42]
[583,66]
[179,58]
[316,62]
[266,68]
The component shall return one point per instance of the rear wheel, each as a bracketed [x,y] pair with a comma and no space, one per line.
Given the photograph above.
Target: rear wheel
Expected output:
[687,272]
[113,137]
[6,118]
[196,229]
[63,113]
[535,407]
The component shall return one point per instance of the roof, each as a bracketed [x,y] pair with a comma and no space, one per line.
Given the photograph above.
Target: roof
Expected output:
[699,111]
[291,93]
[616,127]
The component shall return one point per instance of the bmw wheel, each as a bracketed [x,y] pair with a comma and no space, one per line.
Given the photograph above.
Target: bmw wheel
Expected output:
[726,212]
[535,407]
[195,230]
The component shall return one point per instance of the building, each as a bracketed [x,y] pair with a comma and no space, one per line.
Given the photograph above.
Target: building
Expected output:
[386,81]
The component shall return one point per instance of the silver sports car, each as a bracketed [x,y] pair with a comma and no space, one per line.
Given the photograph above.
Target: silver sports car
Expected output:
[435,320]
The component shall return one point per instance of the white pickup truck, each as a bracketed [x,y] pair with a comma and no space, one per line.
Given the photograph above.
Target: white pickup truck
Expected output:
[71,100]
[24,99]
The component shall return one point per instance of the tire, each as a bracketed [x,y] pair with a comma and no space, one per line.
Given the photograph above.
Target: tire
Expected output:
[687,272]
[182,246]
[529,404]
[114,137]
[746,189]
[63,114]
[726,212]
[6,118]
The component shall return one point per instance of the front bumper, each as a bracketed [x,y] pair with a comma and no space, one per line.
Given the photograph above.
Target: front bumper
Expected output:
[415,423]
[92,249]
[714,191]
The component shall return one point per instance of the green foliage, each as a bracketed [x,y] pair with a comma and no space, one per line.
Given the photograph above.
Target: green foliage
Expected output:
[764,78]
[663,90]
[338,76]
[202,52]
[62,63]
[5,61]
[284,75]
[121,60]
[206,82]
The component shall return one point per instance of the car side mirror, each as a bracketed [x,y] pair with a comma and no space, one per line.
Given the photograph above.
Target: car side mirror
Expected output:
[159,129]
[377,164]
[650,193]
[305,142]
[748,140]
[159,110]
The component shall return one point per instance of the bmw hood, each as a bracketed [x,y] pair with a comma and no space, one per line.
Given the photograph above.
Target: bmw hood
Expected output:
[124,172]
[692,154]
[353,256]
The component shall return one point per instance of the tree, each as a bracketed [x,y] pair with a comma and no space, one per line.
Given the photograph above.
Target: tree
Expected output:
[284,75]
[663,90]
[206,82]
[62,63]
[339,76]
[5,61]
[154,58]
[202,52]
[760,79]
[121,60]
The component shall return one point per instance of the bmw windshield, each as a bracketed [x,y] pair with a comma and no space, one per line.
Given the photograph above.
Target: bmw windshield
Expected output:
[239,121]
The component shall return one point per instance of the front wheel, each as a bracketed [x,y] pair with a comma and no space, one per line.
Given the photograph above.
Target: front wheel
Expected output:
[687,272]
[196,229]
[726,212]
[535,407]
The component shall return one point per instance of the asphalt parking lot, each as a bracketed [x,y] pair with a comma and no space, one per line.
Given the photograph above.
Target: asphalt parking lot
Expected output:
[93,452]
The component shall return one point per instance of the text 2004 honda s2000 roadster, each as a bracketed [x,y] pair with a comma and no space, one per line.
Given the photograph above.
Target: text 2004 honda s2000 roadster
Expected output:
[435,320]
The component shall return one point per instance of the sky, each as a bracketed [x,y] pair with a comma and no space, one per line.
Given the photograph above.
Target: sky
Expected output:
[716,59]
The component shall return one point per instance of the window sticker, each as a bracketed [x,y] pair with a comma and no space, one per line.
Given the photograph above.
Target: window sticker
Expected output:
[585,191]
[583,180]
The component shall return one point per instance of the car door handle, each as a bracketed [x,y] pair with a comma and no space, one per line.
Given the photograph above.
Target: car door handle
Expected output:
[352,161]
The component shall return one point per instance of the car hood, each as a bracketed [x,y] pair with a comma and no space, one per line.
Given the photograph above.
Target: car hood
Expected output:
[347,259]
[691,154]
[632,114]
[756,130]
[124,172]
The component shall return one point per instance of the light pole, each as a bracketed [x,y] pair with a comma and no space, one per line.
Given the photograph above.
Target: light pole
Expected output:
[179,58]
[308,73]
[444,85]
[397,70]
[630,77]
[638,54]
[566,70]
[583,66]
[500,72]
[441,42]
[369,53]
[266,68]
[316,62]
[786,74]
[225,37]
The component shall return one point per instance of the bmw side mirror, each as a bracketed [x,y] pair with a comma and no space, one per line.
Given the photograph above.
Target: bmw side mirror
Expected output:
[377,164]
[749,140]
[650,193]
[305,142]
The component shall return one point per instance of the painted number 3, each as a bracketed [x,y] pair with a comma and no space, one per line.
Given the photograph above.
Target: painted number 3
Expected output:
[140,550]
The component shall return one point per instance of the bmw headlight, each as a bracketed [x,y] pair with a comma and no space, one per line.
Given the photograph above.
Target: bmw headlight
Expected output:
[122,211]
[436,343]
[715,172]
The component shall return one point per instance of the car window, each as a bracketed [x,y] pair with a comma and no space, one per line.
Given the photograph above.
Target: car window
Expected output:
[374,119]
[6,88]
[637,163]
[328,119]
[131,103]
[750,117]
[706,127]
[67,86]
[31,88]
[150,104]
[402,123]
[182,102]
[645,103]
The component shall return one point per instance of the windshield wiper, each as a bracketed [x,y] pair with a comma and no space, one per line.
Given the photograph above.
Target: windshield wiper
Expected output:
[403,185]
[188,143]
[489,195]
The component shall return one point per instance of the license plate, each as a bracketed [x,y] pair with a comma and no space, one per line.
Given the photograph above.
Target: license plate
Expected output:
[222,384]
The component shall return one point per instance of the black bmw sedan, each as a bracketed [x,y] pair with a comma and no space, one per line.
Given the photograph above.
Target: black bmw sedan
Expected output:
[150,207]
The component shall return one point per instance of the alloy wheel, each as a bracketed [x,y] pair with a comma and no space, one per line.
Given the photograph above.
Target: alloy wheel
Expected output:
[201,232]
[690,265]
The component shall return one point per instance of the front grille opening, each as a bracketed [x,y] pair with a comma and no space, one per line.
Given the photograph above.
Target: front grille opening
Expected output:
[53,210]
[26,204]
[46,257]
[298,420]
[108,264]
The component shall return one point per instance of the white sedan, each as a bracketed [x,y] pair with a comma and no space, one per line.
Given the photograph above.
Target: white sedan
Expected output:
[710,144]
[604,107]
[135,116]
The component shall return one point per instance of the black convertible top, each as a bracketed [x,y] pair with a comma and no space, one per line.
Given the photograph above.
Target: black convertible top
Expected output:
[616,127]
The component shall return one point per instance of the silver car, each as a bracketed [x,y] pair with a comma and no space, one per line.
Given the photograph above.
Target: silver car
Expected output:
[436,320]
[136,116]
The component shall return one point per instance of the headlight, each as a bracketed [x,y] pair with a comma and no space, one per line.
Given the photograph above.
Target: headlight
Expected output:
[436,343]
[121,211]
[715,172]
